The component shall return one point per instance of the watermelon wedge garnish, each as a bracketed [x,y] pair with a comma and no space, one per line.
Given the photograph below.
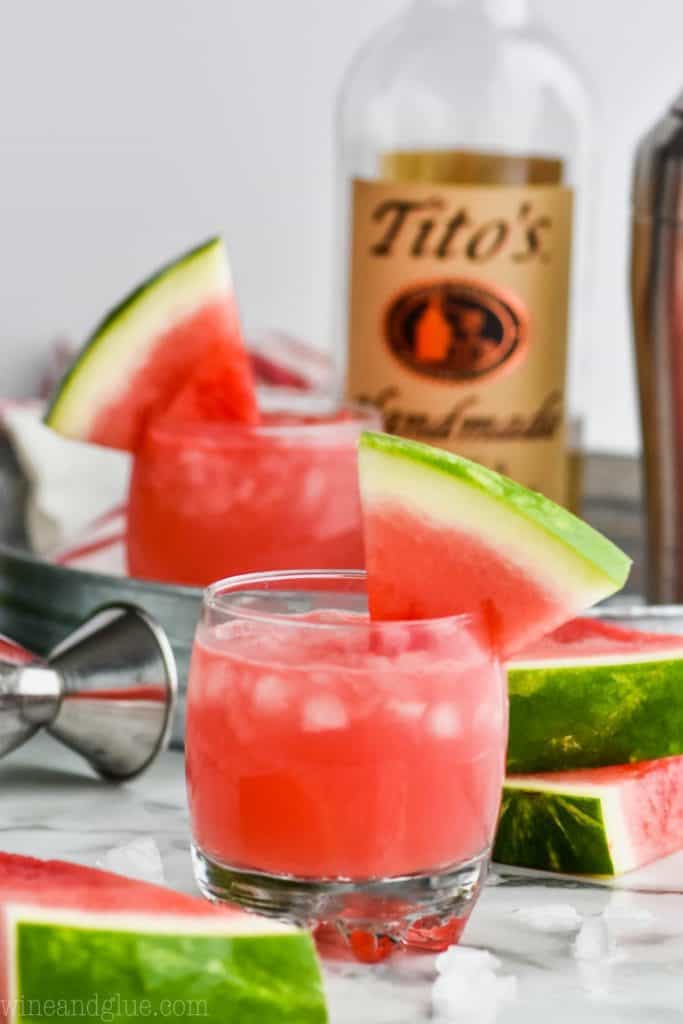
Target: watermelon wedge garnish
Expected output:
[444,535]
[604,821]
[217,390]
[593,694]
[182,320]
[69,932]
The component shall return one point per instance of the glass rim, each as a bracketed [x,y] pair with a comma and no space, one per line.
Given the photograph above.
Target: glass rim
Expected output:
[314,423]
[213,594]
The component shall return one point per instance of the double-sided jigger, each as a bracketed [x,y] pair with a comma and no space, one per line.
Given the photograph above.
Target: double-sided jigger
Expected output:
[107,691]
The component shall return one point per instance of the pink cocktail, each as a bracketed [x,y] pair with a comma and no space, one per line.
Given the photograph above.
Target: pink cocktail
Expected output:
[213,499]
[342,770]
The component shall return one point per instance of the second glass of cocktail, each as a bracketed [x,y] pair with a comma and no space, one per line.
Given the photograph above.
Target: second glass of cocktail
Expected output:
[343,772]
[219,498]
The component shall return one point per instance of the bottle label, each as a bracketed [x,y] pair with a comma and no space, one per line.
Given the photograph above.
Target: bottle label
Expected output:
[458,320]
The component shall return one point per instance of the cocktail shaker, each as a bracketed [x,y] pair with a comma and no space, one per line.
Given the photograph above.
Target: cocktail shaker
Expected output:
[107,691]
[657,305]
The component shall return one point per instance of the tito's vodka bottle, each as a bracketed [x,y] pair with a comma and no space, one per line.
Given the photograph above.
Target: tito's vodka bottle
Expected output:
[462,134]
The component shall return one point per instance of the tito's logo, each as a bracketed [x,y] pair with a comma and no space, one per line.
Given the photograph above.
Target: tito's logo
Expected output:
[456,330]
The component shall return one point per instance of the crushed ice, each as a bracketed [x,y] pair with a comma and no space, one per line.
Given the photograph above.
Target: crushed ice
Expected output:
[139,859]
[469,989]
[594,941]
[554,918]
[626,921]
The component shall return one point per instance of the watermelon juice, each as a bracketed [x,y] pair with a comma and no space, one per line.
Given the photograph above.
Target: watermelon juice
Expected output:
[208,500]
[323,747]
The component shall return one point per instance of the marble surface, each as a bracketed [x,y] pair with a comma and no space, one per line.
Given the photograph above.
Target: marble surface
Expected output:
[52,807]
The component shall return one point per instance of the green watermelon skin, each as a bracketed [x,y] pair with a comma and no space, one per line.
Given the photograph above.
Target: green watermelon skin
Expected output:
[552,832]
[69,932]
[246,980]
[602,821]
[593,694]
[588,716]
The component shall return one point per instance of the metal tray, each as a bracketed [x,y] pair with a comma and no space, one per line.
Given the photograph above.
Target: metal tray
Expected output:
[650,618]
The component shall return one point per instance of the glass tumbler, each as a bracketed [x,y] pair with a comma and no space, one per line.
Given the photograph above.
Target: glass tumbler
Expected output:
[215,499]
[343,773]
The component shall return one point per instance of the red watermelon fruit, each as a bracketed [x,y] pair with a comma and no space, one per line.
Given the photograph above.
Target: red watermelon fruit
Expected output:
[444,536]
[179,323]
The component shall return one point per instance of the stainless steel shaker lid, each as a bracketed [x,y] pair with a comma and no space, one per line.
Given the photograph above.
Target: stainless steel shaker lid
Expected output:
[658,175]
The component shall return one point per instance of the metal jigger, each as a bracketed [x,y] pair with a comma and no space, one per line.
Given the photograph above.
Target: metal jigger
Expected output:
[107,691]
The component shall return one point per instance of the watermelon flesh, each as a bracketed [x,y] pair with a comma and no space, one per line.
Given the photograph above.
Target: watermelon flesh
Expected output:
[457,572]
[593,694]
[445,536]
[593,639]
[604,821]
[181,322]
[219,389]
[70,932]
[206,346]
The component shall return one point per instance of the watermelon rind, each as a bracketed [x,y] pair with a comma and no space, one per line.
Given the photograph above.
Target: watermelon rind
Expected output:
[560,828]
[121,342]
[558,549]
[225,971]
[595,711]
[599,821]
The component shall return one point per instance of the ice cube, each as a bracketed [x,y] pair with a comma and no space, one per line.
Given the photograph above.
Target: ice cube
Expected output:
[553,918]
[139,859]
[315,487]
[626,920]
[215,681]
[444,721]
[468,990]
[322,712]
[393,639]
[270,695]
[465,960]
[593,941]
[407,708]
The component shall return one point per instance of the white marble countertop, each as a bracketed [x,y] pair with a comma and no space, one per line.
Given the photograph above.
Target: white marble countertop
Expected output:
[53,807]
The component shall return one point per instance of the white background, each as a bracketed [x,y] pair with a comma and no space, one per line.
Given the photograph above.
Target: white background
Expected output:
[131,129]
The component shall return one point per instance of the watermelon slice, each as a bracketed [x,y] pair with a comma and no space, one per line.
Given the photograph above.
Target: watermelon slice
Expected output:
[214,391]
[183,319]
[593,694]
[444,535]
[75,937]
[601,822]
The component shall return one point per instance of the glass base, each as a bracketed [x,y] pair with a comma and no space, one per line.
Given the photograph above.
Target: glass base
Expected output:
[371,919]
